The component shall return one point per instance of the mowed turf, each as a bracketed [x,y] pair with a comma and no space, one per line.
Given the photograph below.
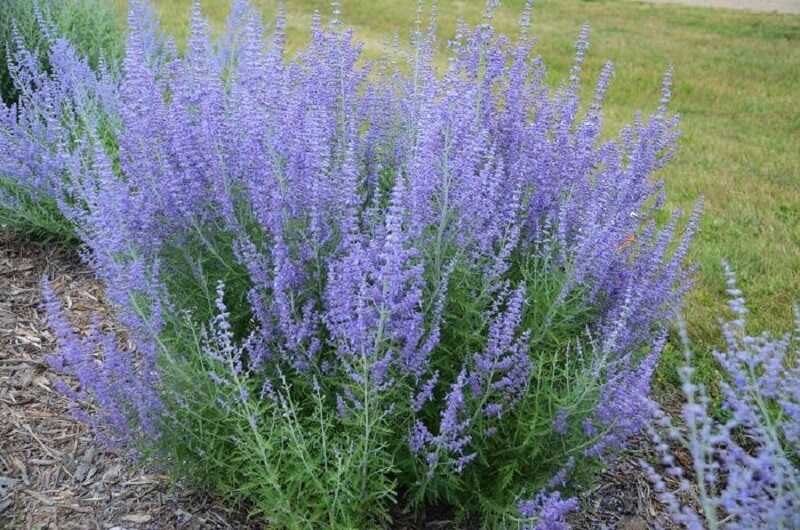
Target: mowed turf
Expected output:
[736,86]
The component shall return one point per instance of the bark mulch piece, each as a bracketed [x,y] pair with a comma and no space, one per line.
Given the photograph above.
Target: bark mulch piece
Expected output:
[52,473]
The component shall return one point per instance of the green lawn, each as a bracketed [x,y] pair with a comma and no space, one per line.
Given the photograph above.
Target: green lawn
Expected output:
[737,87]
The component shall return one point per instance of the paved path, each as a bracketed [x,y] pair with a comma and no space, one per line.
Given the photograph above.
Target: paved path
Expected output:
[779,6]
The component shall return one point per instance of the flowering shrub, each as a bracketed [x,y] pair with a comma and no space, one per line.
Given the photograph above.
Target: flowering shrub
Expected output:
[91,25]
[744,468]
[57,95]
[43,134]
[347,283]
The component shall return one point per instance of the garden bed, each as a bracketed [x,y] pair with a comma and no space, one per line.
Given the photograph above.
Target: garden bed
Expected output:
[334,294]
[54,475]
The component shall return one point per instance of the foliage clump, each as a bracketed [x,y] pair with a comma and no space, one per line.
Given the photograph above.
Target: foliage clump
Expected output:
[352,284]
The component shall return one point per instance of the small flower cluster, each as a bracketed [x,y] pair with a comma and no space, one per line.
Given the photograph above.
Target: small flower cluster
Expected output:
[457,255]
[548,511]
[744,472]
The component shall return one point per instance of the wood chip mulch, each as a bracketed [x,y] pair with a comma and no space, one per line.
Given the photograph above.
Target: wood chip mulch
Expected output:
[622,498]
[54,476]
